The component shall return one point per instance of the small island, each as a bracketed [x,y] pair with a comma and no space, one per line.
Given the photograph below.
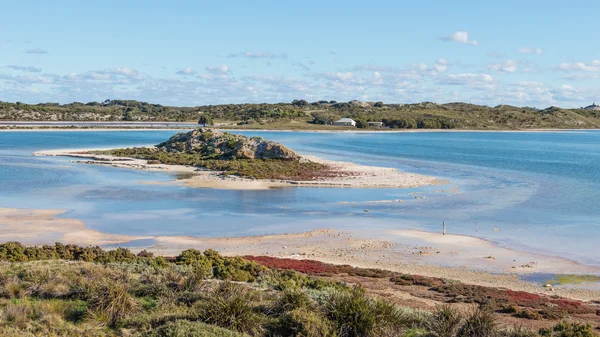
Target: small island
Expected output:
[207,157]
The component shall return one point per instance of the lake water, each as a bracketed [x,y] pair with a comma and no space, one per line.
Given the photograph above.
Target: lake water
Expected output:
[540,190]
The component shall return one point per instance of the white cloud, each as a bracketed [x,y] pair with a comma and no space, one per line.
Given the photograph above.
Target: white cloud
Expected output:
[530,84]
[581,76]
[123,75]
[256,55]
[466,79]
[593,66]
[441,65]
[186,71]
[36,51]
[340,76]
[508,66]
[223,68]
[125,71]
[30,69]
[460,37]
[529,50]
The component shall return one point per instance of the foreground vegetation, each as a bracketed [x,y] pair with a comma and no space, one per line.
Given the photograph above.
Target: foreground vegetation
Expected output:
[67,290]
[301,114]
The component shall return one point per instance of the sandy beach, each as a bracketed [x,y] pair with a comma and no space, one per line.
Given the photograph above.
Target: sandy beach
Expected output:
[467,259]
[348,175]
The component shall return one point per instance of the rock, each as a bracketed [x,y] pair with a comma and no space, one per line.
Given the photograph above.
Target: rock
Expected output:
[214,144]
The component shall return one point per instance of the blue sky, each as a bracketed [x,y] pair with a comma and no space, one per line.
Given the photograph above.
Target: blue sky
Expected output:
[526,53]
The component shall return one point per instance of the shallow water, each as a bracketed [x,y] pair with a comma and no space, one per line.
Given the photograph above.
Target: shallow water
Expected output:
[539,190]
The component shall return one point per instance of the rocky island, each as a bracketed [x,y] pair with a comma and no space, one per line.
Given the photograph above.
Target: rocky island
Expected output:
[216,159]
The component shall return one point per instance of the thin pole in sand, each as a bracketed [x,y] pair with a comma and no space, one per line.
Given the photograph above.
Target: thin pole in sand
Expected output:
[444,228]
[476,227]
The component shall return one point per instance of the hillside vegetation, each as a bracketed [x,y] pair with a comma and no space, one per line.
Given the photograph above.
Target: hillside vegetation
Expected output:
[301,114]
[68,290]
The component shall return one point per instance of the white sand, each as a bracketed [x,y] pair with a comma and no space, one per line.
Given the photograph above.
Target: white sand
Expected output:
[451,256]
[347,174]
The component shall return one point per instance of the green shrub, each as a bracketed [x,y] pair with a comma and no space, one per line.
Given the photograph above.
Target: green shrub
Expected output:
[519,331]
[569,329]
[303,322]
[291,299]
[445,321]
[357,315]
[181,328]
[417,332]
[480,323]
[76,311]
[230,306]
[528,314]
[111,302]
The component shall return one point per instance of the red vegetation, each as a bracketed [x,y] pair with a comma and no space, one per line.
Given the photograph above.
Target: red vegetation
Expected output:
[551,307]
[311,267]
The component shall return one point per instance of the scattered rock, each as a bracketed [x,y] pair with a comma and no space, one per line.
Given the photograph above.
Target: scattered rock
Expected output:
[214,144]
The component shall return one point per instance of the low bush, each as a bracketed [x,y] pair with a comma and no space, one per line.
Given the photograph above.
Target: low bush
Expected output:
[445,321]
[182,328]
[480,323]
[111,302]
[231,306]
[354,314]
[569,329]
[303,322]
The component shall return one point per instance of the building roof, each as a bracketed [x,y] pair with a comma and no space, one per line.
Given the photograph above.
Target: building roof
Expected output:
[345,120]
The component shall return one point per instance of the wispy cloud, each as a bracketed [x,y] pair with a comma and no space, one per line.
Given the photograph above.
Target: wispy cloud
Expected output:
[223,68]
[186,72]
[30,69]
[122,75]
[259,54]
[440,65]
[460,37]
[301,66]
[592,66]
[529,50]
[466,79]
[508,66]
[36,51]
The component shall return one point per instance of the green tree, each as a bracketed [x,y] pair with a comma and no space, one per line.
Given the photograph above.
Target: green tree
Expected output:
[205,120]
[361,123]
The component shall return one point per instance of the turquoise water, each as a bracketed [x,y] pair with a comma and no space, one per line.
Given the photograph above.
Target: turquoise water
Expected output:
[541,190]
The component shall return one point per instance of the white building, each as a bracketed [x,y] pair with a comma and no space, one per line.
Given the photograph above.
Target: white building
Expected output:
[375,124]
[345,122]
[593,107]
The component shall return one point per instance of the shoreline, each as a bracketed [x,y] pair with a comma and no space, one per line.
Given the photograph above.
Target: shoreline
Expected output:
[350,175]
[464,258]
[190,126]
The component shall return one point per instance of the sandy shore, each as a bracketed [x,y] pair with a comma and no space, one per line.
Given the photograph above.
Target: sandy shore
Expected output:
[348,175]
[467,259]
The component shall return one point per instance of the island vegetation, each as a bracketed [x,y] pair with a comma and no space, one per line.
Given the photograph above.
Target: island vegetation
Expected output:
[302,115]
[230,154]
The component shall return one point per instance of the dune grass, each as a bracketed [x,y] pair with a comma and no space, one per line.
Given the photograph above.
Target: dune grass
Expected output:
[67,290]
